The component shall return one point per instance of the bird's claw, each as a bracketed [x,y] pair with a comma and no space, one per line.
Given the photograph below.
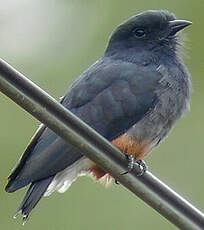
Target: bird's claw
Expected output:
[132,161]
[143,167]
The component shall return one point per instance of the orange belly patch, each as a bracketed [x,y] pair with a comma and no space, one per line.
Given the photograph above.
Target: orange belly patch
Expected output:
[97,171]
[100,175]
[127,145]
[132,146]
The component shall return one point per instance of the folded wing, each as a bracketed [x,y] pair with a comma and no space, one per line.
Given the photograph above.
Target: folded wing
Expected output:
[109,97]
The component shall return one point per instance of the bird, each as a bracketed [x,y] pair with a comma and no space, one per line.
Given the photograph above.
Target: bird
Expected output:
[132,96]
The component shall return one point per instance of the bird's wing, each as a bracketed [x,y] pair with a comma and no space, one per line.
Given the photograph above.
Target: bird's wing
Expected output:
[110,97]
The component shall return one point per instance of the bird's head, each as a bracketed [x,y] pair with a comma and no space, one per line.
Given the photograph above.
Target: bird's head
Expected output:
[152,30]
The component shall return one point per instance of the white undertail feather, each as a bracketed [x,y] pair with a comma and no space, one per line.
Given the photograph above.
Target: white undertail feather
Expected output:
[105,180]
[63,180]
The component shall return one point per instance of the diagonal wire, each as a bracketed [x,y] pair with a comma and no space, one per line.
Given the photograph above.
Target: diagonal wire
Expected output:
[50,112]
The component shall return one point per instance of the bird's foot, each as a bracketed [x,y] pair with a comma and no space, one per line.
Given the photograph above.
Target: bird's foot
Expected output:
[131,163]
[143,167]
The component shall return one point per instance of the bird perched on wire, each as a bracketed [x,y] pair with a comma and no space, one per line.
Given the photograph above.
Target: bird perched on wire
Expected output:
[132,96]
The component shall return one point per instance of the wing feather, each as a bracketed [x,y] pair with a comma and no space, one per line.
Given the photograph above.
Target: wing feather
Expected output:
[109,97]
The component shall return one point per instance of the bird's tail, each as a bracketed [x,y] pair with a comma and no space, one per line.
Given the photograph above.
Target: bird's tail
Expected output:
[32,197]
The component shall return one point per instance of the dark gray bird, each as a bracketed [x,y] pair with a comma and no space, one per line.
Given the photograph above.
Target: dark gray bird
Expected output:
[132,96]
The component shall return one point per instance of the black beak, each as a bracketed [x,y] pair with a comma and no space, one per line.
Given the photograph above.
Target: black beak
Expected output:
[177,25]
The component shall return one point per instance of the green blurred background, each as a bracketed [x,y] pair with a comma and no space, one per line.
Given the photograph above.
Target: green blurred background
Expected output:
[52,42]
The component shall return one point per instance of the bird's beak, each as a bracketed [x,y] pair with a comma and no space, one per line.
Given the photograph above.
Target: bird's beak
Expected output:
[177,25]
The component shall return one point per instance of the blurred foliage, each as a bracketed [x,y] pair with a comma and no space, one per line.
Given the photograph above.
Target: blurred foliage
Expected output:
[52,42]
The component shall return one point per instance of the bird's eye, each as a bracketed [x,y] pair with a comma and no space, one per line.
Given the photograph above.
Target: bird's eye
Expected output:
[139,33]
